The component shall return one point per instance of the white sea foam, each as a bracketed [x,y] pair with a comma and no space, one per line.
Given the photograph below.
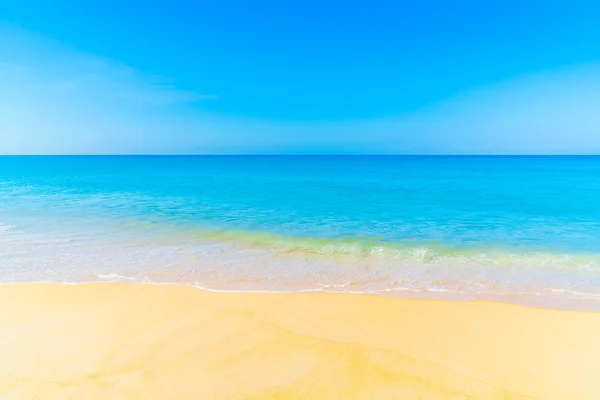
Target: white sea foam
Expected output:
[111,277]
[6,227]
[104,255]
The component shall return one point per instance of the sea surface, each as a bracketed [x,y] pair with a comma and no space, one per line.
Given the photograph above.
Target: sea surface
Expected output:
[475,227]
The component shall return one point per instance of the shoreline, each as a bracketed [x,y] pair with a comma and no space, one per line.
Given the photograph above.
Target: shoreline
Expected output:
[156,341]
[535,300]
[178,257]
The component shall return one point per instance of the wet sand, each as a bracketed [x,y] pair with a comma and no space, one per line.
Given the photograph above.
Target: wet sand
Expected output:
[134,341]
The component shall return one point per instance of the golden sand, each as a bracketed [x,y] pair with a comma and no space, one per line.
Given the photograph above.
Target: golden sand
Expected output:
[126,341]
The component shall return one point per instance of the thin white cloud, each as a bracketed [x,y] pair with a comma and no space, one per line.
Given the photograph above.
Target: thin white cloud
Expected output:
[42,65]
[56,100]
[554,112]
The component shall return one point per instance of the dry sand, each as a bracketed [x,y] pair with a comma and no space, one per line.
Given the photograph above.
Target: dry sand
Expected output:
[125,341]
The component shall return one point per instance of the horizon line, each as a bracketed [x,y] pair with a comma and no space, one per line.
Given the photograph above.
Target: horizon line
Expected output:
[298,155]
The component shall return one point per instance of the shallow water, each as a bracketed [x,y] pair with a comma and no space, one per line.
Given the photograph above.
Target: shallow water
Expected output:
[472,226]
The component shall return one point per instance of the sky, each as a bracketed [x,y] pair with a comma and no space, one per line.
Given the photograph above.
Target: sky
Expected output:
[300,77]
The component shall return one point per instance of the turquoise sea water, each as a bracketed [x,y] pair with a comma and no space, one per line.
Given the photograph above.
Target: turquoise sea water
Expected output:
[476,226]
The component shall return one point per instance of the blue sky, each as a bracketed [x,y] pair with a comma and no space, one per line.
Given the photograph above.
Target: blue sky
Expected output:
[411,77]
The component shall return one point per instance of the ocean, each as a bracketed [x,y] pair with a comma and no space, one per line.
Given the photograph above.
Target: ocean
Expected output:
[468,226]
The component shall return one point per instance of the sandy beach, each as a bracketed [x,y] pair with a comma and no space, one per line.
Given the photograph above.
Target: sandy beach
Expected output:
[134,341]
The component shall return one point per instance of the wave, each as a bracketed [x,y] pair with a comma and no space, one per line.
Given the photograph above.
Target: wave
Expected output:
[226,259]
[409,251]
